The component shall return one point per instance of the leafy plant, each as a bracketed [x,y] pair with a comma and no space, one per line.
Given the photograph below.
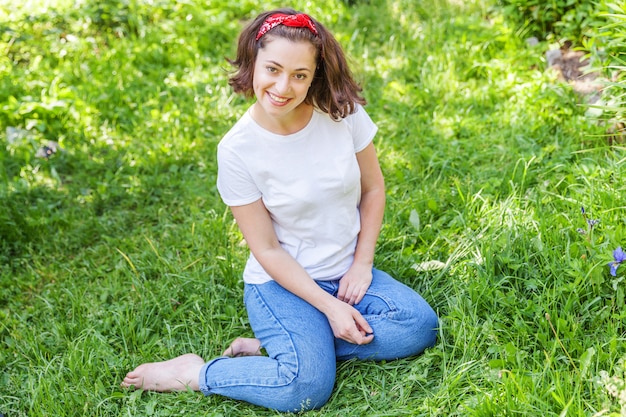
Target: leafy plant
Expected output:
[558,19]
[607,48]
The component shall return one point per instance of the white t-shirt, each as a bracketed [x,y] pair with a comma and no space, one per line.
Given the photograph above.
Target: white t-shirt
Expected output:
[309,182]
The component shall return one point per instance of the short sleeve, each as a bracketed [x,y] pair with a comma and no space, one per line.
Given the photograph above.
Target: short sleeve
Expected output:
[234,183]
[362,128]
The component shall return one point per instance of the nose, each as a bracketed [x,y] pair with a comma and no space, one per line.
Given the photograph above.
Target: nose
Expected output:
[283,84]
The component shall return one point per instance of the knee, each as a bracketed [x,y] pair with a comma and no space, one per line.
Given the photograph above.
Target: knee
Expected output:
[423,326]
[306,393]
[430,327]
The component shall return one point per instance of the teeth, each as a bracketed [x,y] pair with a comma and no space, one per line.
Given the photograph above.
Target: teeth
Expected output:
[276,98]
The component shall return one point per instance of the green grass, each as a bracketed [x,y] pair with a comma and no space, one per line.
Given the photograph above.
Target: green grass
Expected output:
[117,250]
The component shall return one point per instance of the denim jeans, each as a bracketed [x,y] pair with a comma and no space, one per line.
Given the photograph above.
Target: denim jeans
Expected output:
[299,372]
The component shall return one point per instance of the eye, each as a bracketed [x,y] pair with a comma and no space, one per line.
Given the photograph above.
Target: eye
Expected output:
[271,69]
[300,76]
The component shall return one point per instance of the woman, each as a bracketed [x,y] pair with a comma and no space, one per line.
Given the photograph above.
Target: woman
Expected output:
[301,176]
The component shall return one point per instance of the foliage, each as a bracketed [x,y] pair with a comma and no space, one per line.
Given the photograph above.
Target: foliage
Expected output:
[561,19]
[115,248]
[608,48]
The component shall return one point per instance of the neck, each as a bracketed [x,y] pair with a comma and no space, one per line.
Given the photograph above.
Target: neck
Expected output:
[289,124]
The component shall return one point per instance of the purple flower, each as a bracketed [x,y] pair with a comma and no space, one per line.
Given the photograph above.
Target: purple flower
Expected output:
[590,222]
[619,256]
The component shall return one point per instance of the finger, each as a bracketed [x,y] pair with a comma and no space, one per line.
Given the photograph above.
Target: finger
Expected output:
[358,296]
[341,293]
[346,296]
[354,294]
[363,339]
[367,339]
[348,300]
[366,333]
[359,338]
[362,324]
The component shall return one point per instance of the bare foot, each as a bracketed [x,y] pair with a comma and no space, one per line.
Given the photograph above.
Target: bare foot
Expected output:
[243,346]
[178,374]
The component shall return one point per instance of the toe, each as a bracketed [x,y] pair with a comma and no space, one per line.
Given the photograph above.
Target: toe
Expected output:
[130,382]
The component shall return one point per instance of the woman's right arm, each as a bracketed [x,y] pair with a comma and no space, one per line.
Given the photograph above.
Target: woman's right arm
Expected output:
[256,225]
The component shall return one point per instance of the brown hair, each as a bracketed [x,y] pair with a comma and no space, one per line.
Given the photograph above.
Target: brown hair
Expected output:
[333,90]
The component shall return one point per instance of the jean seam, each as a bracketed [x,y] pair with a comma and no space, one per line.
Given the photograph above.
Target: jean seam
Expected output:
[239,382]
[271,314]
[393,309]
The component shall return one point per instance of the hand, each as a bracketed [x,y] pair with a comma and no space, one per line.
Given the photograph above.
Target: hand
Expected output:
[349,325]
[354,284]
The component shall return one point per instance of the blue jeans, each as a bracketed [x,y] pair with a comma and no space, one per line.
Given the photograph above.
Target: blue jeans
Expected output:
[299,372]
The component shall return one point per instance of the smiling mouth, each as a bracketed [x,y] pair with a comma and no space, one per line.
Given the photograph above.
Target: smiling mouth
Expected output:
[277,99]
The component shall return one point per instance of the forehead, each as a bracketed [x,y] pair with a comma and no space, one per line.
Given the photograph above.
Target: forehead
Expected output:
[288,53]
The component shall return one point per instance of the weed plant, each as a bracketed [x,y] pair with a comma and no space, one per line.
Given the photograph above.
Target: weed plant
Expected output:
[558,20]
[608,49]
[505,206]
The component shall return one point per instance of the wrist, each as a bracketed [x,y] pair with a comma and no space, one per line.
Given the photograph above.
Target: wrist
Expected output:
[328,304]
[363,261]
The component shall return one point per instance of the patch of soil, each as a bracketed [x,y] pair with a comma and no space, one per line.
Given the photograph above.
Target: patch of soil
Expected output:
[573,68]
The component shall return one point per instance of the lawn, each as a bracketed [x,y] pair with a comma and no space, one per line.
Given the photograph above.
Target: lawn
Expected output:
[505,204]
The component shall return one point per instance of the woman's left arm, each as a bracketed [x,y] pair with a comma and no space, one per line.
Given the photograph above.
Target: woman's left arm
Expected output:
[357,280]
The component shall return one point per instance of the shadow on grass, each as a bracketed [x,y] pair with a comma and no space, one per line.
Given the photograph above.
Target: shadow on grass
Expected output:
[137,127]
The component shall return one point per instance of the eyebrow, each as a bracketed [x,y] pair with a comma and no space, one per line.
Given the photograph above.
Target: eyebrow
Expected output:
[269,61]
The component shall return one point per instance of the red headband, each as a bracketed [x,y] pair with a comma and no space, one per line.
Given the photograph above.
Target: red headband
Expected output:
[299,20]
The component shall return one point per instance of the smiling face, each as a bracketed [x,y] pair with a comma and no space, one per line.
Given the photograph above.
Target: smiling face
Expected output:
[283,73]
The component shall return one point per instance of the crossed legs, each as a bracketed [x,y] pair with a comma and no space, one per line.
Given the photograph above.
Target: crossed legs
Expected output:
[396,313]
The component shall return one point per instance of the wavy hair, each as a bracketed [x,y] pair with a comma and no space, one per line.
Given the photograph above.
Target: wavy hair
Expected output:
[333,90]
